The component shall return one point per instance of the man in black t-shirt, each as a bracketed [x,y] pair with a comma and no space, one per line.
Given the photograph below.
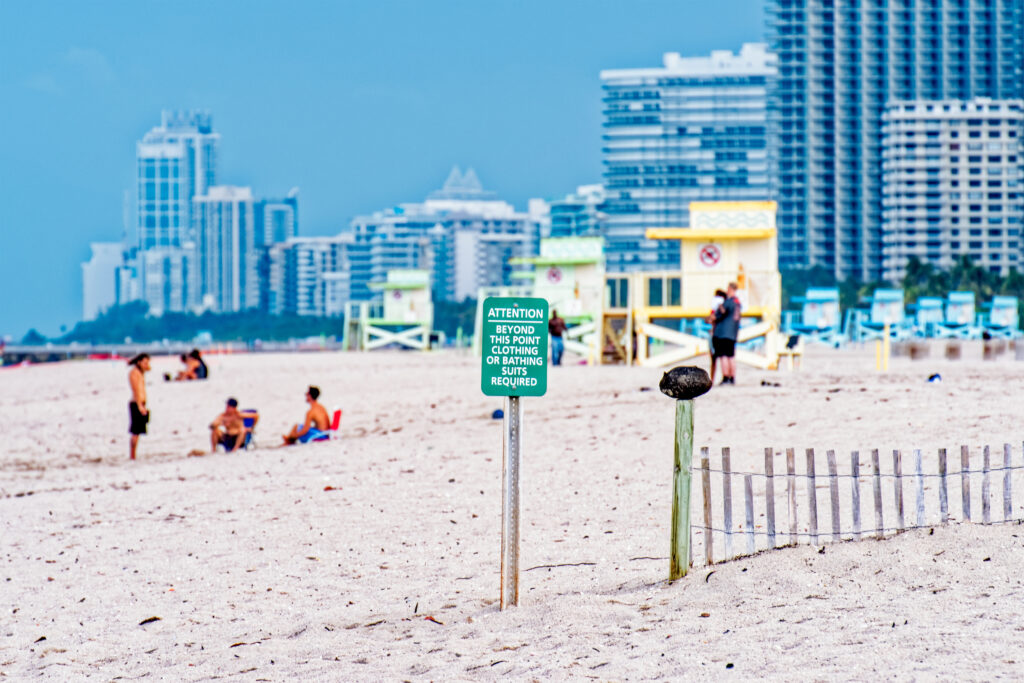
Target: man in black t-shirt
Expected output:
[726,330]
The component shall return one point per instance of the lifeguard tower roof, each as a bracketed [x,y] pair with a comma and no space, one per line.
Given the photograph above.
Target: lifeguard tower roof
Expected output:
[403,278]
[567,251]
[742,220]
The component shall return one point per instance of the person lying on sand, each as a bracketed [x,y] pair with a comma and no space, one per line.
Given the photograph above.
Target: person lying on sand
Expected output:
[316,424]
[228,429]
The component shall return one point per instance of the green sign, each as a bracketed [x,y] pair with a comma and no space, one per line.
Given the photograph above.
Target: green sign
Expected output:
[515,346]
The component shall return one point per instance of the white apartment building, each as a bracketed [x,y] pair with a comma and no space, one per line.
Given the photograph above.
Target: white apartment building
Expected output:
[694,128]
[228,240]
[952,183]
[461,233]
[99,278]
[307,276]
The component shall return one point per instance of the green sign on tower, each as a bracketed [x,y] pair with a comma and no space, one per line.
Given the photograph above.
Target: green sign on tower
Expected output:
[515,346]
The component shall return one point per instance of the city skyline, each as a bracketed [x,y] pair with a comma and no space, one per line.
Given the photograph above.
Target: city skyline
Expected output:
[530,125]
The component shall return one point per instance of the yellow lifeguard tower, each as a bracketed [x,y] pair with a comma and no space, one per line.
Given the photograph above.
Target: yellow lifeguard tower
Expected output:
[404,315]
[726,242]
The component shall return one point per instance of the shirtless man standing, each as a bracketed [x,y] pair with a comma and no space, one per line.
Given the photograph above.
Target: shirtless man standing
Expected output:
[228,429]
[317,422]
[137,410]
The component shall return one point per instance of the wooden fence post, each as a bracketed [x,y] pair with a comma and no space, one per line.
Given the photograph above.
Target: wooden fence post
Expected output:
[812,498]
[855,492]
[769,495]
[920,486]
[1007,484]
[943,493]
[986,490]
[727,501]
[897,470]
[965,481]
[879,526]
[791,493]
[681,550]
[705,484]
[748,495]
[833,490]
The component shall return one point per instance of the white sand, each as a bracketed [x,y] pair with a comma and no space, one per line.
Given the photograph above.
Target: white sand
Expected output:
[254,569]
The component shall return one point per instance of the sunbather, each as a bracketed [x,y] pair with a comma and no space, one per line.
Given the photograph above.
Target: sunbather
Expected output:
[228,429]
[316,424]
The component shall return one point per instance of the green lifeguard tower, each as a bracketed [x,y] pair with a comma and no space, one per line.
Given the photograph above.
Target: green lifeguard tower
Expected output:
[403,315]
[569,273]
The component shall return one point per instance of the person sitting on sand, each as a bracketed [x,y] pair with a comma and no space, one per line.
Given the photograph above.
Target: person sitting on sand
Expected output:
[228,429]
[187,373]
[316,424]
[199,365]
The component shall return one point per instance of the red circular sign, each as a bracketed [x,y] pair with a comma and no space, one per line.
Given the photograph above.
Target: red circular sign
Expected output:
[710,255]
[554,275]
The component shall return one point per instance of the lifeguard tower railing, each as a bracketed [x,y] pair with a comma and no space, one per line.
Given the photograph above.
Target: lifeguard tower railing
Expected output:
[401,316]
[664,302]
[658,317]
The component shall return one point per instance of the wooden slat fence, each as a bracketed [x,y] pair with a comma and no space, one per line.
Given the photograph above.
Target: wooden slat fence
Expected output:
[929,489]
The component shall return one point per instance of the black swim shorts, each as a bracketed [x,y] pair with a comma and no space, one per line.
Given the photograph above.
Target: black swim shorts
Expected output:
[228,441]
[723,348]
[138,420]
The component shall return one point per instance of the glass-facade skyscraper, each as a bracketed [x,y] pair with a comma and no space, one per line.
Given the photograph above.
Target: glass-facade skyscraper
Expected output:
[175,162]
[693,129]
[840,65]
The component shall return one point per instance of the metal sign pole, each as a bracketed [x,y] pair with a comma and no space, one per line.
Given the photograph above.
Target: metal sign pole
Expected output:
[510,502]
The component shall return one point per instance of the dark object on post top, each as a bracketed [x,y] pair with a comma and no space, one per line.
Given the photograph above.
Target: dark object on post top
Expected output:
[684,383]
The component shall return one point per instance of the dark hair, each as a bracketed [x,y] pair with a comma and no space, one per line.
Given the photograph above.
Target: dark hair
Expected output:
[194,353]
[138,359]
[233,402]
[314,393]
[720,293]
[183,357]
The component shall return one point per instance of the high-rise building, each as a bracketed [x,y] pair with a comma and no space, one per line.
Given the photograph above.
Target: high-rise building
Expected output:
[580,214]
[840,66]
[952,184]
[695,128]
[277,220]
[461,233]
[167,278]
[99,278]
[229,242]
[175,162]
[308,276]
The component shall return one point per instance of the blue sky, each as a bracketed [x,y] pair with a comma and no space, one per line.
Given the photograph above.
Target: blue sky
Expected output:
[359,104]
